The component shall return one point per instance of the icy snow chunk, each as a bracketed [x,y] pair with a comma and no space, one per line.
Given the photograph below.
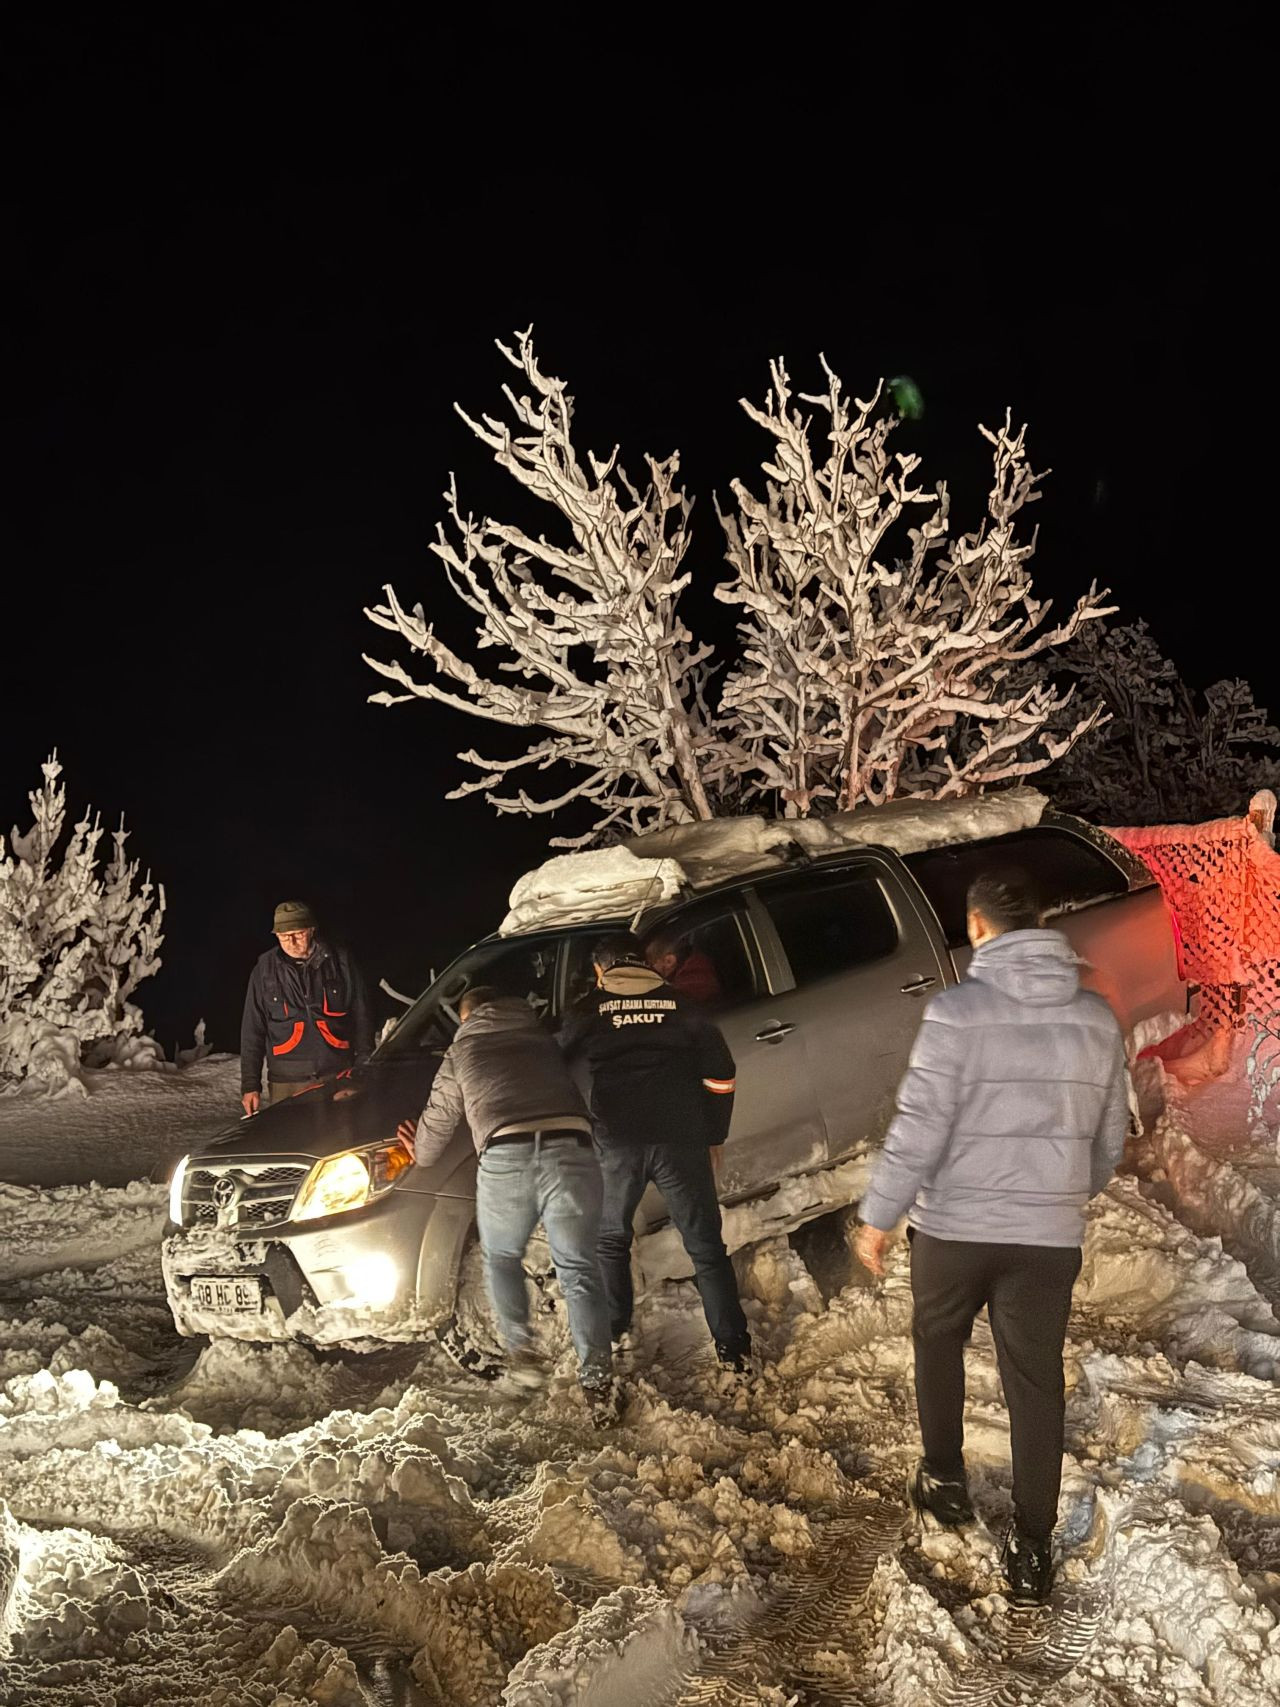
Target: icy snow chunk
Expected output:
[609,883]
[572,1533]
[631,1645]
[911,826]
[715,851]
[10,1559]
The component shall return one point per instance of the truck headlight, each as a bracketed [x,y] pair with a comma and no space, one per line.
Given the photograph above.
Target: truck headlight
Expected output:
[351,1180]
[175,1191]
[373,1280]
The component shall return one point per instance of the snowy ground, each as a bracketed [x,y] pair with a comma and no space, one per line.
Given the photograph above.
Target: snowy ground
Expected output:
[132,1124]
[258,1526]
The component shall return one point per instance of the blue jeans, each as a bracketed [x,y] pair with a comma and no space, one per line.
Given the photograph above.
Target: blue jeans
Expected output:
[683,1175]
[555,1181]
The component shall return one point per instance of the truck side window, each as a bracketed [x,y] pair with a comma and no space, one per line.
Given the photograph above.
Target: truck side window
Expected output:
[1070,872]
[828,922]
[704,957]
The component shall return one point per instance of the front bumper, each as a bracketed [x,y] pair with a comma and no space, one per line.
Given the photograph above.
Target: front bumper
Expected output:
[384,1272]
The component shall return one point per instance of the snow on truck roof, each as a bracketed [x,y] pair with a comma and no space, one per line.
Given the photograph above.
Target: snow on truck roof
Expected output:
[646,871]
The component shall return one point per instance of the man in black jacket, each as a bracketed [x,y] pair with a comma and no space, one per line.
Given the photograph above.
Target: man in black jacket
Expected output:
[505,1077]
[305,1012]
[661,1091]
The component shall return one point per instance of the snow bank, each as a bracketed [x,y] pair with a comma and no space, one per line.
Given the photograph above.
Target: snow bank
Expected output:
[1144,1273]
[131,1124]
[481,1550]
[78,1226]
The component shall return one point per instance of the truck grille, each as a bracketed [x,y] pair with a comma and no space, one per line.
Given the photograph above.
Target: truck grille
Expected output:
[259,1193]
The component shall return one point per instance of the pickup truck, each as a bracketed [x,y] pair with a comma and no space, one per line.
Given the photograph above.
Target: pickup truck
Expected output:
[309,1220]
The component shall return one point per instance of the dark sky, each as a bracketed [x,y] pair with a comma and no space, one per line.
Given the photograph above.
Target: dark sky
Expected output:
[242,304]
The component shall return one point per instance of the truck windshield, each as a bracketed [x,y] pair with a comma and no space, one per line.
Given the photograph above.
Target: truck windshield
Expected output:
[518,967]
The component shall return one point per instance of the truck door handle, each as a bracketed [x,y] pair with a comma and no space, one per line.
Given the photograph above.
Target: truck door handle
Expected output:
[918,986]
[774,1032]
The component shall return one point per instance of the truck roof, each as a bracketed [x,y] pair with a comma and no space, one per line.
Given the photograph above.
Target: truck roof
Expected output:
[645,872]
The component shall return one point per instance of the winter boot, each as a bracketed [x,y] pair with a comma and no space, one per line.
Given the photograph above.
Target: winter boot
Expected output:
[604,1401]
[735,1357]
[1028,1565]
[947,1502]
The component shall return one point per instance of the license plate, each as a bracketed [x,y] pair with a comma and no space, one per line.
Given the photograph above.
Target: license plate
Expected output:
[226,1297]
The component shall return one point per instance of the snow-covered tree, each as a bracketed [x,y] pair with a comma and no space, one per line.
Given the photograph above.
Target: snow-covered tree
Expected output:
[594,654]
[877,663]
[1167,755]
[77,936]
[872,662]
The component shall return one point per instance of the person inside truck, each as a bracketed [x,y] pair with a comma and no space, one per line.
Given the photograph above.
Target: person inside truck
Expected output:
[680,963]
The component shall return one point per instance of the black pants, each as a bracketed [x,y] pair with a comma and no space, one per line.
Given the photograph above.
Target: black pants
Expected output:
[1027,1292]
[688,1188]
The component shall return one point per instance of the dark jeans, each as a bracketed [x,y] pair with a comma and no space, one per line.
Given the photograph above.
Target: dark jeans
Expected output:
[1027,1292]
[688,1188]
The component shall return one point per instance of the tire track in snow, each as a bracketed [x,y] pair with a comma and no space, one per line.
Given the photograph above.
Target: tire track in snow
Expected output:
[1038,1645]
[824,1606]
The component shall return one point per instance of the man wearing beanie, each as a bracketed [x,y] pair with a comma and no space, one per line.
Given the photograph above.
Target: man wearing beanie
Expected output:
[306,1012]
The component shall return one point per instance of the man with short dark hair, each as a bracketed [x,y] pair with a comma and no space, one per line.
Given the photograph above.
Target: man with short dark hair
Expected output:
[661,1093]
[1012,1115]
[505,1076]
[305,1012]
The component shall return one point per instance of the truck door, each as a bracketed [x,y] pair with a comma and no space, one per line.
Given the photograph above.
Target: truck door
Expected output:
[863,961]
[713,958]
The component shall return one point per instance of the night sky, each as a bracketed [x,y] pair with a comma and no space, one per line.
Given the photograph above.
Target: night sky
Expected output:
[242,304]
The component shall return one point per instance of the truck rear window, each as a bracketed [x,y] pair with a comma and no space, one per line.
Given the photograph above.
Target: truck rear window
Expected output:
[830,921]
[1069,871]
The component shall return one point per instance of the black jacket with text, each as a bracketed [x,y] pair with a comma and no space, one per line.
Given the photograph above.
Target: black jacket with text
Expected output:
[657,1068]
[308,1019]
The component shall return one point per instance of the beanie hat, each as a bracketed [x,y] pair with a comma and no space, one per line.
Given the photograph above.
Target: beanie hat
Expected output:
[293,916]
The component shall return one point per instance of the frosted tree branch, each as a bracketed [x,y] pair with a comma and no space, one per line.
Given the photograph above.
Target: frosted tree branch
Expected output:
[863,676]
[878,654]
[591,648]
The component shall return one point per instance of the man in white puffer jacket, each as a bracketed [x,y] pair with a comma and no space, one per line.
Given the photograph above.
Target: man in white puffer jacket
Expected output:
[1012,1114]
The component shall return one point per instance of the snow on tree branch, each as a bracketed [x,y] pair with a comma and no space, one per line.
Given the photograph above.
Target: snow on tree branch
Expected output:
[76,939]
[878,655]
[592,649]
[865,676]
[1168,755]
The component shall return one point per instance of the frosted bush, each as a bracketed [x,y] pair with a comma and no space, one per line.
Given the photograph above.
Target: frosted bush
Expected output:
[78,934]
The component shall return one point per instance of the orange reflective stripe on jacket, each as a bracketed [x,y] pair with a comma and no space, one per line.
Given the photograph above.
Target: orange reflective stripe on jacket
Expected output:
[333,1013]
[330,1039]
[294,1040]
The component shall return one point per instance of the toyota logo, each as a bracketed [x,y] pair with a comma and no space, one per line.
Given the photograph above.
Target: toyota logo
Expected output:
[224,1191]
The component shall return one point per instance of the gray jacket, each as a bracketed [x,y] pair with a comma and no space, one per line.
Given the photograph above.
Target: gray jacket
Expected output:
[1014,1108]
[501,1073]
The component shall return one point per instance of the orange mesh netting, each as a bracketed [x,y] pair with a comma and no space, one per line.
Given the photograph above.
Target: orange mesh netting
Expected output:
[1222,880]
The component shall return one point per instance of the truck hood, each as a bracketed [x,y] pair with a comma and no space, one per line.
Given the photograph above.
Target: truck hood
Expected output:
[340,1115]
